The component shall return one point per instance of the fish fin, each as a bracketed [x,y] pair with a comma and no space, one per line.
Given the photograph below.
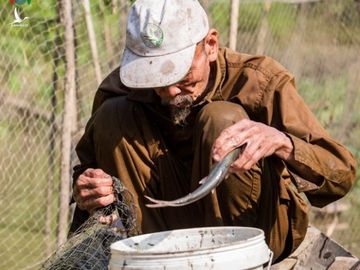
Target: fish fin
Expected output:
[202,181]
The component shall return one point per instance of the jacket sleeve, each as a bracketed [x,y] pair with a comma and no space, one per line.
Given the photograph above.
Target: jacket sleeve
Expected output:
[319,156]
[85,151]
[110,87]
[86,154]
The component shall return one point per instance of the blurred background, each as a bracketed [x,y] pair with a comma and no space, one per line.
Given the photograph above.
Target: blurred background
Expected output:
[52,62]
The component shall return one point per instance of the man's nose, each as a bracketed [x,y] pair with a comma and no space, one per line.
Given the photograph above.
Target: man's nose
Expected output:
[172,91]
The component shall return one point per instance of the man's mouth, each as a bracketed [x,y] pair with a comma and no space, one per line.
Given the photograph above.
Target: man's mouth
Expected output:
[180,108]
[183,101]
[181,105]
[180,102]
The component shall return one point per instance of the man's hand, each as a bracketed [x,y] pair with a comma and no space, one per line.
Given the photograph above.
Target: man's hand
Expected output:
[93,189]
[261,141]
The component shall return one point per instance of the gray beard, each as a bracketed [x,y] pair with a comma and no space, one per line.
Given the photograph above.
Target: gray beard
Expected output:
[180,108]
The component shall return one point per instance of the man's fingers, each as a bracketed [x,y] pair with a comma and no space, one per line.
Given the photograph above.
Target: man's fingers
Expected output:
[86,187]
[250,155]
[95,173]
[87,172]
[237,128]
[231,138]
[259,147]
[261,141]
[244,165]
[89,182]
[99,173]
[95,192]
[246,157]
[108,220]
[93,189]
[94,203]
[88,199]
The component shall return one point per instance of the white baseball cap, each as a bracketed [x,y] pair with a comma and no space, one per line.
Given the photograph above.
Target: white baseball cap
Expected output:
[161,38]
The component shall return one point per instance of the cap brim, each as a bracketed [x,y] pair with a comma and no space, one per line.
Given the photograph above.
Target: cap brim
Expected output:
[155,71]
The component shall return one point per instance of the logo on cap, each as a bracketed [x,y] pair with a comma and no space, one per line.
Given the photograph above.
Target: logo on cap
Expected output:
[152,36]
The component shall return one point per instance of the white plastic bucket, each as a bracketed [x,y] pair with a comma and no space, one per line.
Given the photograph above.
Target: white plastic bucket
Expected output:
[197,248]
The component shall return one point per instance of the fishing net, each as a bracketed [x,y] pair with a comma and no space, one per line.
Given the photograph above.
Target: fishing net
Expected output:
[89,247]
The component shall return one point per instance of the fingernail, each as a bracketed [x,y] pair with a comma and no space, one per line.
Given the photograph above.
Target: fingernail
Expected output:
[216,157]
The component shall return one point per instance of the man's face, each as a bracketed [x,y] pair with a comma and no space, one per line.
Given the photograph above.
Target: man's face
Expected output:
[180,96]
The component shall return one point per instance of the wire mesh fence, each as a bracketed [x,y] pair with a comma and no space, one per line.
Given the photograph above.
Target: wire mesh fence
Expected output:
[318,41]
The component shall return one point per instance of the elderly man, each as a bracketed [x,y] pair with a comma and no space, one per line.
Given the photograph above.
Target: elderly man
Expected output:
[177,105]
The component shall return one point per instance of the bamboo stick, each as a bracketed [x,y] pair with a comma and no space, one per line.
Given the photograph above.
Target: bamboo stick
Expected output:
[235,4]
[92,40]
[69,121]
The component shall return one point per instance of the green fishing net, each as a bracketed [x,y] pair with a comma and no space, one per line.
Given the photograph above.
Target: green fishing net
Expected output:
[89,247]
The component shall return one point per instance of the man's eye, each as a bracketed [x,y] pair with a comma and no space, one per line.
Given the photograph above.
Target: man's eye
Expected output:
[190,84]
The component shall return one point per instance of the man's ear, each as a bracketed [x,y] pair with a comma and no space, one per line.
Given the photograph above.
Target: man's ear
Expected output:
[212,45]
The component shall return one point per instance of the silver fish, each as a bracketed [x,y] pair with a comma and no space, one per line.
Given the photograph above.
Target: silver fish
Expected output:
[209,183]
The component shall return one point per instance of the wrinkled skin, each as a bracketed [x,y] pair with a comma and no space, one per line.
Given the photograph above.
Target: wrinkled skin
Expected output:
[261,141]
[93,189]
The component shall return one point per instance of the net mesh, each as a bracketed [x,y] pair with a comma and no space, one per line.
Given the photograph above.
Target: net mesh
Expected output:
[89,247]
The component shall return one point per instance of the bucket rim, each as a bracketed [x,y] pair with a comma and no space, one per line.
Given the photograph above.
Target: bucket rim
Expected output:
[259,238]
